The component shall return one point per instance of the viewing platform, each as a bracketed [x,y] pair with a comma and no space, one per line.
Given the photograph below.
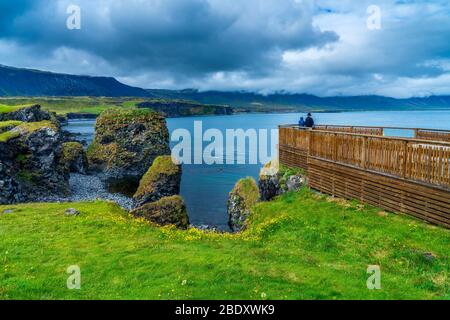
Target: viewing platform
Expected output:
[400,174]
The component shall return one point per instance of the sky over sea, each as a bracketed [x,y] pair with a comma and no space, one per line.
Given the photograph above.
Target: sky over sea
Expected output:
[323,47]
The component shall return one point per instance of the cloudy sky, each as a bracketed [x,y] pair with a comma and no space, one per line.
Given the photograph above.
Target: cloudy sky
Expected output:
[322,47]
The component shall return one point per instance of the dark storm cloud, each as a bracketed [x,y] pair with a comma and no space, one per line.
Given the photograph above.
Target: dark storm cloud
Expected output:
[194,37]
[322,47]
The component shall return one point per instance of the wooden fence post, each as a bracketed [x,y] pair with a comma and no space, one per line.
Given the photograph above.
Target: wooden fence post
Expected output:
[405,157]
[335,147]
[364,153]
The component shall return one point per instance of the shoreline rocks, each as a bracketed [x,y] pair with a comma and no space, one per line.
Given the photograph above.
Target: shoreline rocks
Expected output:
[126,143]
[30,163]
[275,181]
[73,157]
[166,211]
[163,179]
[175,109]
[241,199]
[26,114]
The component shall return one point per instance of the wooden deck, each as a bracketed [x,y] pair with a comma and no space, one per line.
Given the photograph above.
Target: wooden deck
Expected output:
[408,175]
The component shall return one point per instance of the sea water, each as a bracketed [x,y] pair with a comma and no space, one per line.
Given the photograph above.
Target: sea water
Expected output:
[205,187]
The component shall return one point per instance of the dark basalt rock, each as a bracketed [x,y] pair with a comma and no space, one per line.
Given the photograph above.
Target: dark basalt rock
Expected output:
[72,212]
[27,114]
[166,211]
[269,181]
[73,157]
[30,163]
[163,179]
[274,182]
[174,109]
[241,199]
[126,144]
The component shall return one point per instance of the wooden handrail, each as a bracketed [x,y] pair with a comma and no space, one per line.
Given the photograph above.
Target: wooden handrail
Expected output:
[371,127]
[409,158]
[425,141]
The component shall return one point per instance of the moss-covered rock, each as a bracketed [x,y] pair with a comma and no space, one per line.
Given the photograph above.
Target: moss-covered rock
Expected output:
[161,180]
[30,163]
[24,113]
[269,181]
[8,125]
[275,179]
[166,211]
[73,157]
[241,199]
[126,143]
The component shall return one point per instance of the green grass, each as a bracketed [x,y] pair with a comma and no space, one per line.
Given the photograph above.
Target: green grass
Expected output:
[64,105]
[25,127]
[91,105]
[10,108]
[300,246]
[8,124]
[6,136]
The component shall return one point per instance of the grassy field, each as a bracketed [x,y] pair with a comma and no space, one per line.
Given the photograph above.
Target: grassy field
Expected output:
[300,246]
[91,105]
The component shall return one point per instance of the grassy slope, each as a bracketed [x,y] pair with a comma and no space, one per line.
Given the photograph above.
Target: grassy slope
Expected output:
[9,108]
[92,105]
[300,246]
[73,104]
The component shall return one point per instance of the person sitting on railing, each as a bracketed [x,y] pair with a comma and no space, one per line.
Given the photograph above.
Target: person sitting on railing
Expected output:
[309,122]
[301,122]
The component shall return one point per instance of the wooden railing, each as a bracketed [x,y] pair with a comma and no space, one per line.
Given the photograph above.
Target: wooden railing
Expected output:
[352,129]
[406,175]
[411,159]
[419,133]
[422,160]
[429,134]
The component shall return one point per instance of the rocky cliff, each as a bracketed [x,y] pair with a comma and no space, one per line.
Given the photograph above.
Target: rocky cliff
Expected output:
[174,108]
[241,199]
[126,143]
[163,179]
[25,114]
[274,180]
[30,152]
[166,211]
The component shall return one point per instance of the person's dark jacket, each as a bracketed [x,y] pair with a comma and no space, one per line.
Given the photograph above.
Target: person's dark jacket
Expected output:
[309,122]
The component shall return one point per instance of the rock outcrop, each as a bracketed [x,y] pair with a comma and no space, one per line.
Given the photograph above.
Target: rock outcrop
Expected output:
[26,114]
[74,158]
[30,166]
[178,108]
[241,199]
[126,144]
[274,181]
[161,180]
[269,181]
[166,211]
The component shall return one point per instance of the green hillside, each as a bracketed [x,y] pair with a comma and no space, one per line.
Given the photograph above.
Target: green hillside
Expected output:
[301,246]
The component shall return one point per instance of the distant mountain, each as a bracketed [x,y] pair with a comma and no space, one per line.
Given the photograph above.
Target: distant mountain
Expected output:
[27,82]
[250,101]
[16,82]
